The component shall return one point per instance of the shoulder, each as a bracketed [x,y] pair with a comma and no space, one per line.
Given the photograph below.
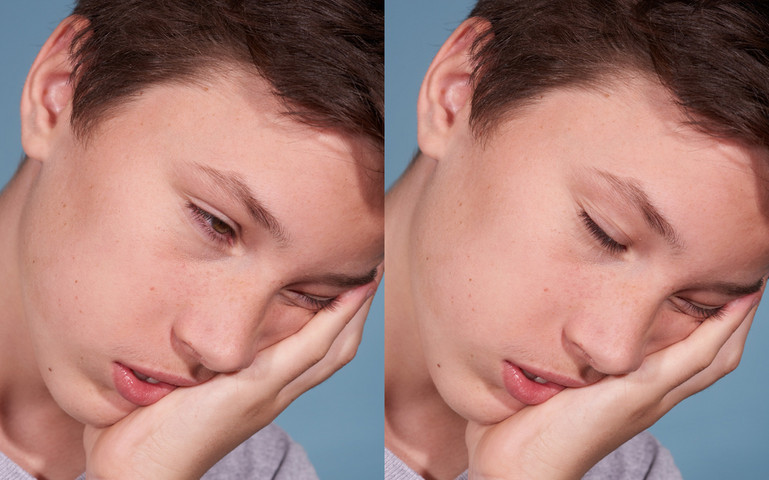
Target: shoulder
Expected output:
[641,457]
[270,453]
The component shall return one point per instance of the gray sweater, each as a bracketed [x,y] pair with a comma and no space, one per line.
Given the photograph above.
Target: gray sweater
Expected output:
[269,454]
[641,458]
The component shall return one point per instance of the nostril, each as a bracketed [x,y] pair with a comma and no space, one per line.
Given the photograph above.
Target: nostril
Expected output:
[602,357]
[202,374]
[183,348]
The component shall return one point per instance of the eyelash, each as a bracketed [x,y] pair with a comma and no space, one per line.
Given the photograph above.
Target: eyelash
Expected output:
[207,220]
[615,247]
[314,303]
[702,313]
[603,238]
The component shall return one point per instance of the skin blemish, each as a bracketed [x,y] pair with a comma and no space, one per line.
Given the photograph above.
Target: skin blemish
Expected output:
[438,364]
[152,289]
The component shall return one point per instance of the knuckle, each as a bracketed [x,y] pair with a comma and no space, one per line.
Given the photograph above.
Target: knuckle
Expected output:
[348,354]
[732,361]
[316,354]
[702,361]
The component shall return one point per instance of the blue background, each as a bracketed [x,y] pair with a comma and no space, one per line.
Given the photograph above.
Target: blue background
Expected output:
[720,433]
[339,422]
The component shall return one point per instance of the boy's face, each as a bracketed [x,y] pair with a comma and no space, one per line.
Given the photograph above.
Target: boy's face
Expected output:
[195,228]
[589,231]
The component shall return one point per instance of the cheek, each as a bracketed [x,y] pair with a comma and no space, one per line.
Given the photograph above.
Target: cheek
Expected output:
[84,277]
[668,329]
[280,322]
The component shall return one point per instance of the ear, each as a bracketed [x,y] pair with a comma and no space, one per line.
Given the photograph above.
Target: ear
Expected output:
[47,95]
[444,99]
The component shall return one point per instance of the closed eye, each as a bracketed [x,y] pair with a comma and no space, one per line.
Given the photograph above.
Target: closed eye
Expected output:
[311,302]
[606,241]
[696,310]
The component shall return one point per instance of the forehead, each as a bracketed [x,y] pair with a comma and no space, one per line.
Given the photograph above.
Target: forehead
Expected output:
[237,127]
[636,138]
[227,108]
[629,124]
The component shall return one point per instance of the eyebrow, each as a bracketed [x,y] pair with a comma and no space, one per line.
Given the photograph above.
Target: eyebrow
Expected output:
[234,185]
[631,192]
[344,281]
[735,289]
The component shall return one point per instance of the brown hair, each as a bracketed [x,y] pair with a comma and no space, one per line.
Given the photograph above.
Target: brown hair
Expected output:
[324,58]
[712,55]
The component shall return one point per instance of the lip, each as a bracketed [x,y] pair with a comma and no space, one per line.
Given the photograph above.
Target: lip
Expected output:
[561,380]
[530,392]
[142,393]
[171,379]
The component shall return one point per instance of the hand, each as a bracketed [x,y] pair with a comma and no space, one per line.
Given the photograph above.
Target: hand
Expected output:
[184,434]
[565,436]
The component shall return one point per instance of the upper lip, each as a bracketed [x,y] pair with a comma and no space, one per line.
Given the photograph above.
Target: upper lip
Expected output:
[169,378]
[563,380]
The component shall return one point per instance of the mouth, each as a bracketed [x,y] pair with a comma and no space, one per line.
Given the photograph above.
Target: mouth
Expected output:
[142,387]
[533,377]
[530,388]
[145,378]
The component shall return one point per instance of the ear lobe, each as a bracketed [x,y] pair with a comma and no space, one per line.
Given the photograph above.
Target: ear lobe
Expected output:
[444,98]
[47,95]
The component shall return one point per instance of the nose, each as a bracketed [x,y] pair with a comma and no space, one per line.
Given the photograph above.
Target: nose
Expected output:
[611,337]
[219,333]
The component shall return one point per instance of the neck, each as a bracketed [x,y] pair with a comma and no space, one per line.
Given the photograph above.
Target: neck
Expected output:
[34,432]
[419,427]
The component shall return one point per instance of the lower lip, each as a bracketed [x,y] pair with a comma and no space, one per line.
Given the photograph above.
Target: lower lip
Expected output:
[136,391]
[524,390]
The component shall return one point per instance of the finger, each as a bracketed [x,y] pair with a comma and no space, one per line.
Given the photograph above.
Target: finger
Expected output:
[342,351]
[675,365]
[289,358]
[726,360]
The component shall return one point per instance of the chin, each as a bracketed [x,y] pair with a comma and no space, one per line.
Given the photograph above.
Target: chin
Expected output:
[483,408]
[94,409]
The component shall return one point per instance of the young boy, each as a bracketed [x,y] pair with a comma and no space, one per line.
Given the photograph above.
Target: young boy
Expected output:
[580,243]
[193,238]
